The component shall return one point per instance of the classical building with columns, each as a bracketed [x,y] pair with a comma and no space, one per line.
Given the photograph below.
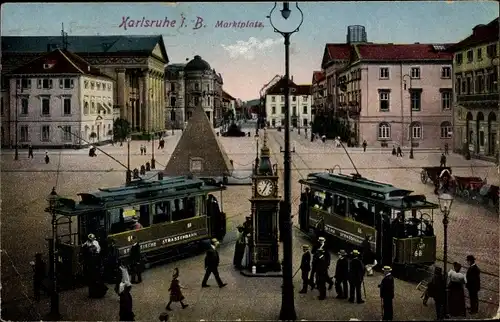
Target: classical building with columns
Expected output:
[136,64]
[189,85]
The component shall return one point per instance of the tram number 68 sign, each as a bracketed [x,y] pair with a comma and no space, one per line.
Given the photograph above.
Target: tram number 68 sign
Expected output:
[419,252]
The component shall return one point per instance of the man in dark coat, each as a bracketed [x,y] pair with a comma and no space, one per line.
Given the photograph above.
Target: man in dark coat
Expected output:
[39,273]
[473,284]
[212,265]
[322,263]
[126,305]
[356,275]
[135,262]
[341,275]
[320,245]
[368,256]
[387,294]
[239,249]
[30,151]
[305,268]
[442,161]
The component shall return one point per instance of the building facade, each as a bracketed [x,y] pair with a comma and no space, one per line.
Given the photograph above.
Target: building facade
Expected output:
[59,100]
[476,68]
[318,89]
[396,94]
[135,63]
[300,105]
[189,85]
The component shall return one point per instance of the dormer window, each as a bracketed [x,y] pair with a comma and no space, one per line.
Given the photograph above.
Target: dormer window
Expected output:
[48,66]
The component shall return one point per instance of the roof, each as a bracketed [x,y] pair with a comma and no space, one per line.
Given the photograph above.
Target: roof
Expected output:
[84,44]
[278,87]
[481,34]
[335,52]
[225,95]
[197,64]
[254,102]
[61,62]
[396,52]
[303,90]
[318,76]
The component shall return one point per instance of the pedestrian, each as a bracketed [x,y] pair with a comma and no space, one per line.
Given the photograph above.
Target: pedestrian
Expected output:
[212,261]
[323,138]
[387,294]
[437,290]
[39,274]
[92,249]
[175,291]
[112,262]
[473,284]
[341,275]
[30,151]
[456,294]
[364,145]
[442,162]
[321,272]
[126,304]
[446,149]
[320,245]
[399,152]
[123,276]
[47,159]
[136,262]
[305,268]
[394,150]
[356,275]
[144,148]
[368,256]
[239,249]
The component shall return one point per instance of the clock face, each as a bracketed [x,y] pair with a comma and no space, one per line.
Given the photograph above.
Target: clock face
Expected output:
[265,187]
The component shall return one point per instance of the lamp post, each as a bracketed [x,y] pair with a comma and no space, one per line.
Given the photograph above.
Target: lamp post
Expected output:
[128,175]
[52,200]
[153,162]
[411,113]
[18,85]
[287,301]
[445,202]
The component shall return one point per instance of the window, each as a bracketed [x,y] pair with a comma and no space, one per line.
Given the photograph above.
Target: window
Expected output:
[446,130]
[491,50]
[446,100]
[457,85]
[384,131]
[109,87]
[45,133]
[66,133]
[416,102]
[24,133]
[469,85]
[196,86]
[304,97]
[86,108]
[172,101]
[92,85]
[384,100]
[479,54]
[416,130]
[458,59]
[464,87]
[304,122]
[86,84]
[304,109]
[273,109]
[445,72]
[45,106]
[294,98]
[23,83]
[384,73]
[273,99]
[45,83]
[479,87]
[68,83]
[172,87]
[282,98]
[415,72]
[92,108]
[98,85]
[67,106]
[24,106]
[282,109]
[273,122]
[470,56]
[172,116]
[294,110]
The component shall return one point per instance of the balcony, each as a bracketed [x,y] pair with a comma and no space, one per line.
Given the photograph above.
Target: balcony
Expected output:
[478,100]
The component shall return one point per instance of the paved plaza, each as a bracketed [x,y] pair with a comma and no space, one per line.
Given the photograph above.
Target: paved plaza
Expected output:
[26,183]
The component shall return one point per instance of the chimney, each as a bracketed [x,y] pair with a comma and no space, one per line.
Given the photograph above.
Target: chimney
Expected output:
[292,78]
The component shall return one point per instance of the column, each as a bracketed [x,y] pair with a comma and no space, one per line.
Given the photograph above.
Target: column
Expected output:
[120,91]
[140,102]
[146,101]
[162,102]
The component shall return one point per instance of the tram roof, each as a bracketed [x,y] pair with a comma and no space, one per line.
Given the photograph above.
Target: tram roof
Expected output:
[139,192]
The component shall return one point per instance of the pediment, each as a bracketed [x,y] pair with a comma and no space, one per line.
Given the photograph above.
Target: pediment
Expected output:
[158,52]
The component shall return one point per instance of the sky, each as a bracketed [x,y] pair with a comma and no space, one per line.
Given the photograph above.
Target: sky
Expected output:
[249,57]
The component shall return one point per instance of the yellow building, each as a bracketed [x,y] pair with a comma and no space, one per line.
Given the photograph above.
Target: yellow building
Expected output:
[476,94]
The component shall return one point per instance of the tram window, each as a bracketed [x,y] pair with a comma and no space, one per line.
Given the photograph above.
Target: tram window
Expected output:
[162,212]
[340,205]
[116,221]
[328,203]
[200,205]
[144,218]
[95,224]
[362,212]
[189,207]
[319,198]
[177,213]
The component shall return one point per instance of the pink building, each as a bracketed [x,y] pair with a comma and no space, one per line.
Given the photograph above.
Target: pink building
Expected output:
[392,94]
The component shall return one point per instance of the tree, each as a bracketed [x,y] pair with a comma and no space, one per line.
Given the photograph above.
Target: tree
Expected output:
[121,129]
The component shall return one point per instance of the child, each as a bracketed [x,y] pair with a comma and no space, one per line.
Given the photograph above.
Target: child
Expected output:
[175,291]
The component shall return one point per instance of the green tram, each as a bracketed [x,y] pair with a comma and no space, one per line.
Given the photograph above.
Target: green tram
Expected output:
[174,212]
[347,208]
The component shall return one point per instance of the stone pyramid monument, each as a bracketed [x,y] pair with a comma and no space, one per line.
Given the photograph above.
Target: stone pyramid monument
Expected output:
[199,152]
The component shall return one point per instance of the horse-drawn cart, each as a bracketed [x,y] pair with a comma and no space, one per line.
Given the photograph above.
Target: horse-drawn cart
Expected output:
[468,187]
[432,173]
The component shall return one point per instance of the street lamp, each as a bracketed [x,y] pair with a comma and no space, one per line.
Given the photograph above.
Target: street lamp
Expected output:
[153,162]
[52,200]
[128,175]
[287,300]
[445,202]
[411,114]
[18,85]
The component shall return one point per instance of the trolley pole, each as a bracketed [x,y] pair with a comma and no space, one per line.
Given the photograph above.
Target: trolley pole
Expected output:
[54,296]
[445,257]
[411,114]
[128,175]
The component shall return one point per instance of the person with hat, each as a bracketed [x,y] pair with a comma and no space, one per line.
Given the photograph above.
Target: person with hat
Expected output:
[356,276]
[135,261]
[212,261]
[93,244]
[175,291]
[473,283]
[47,159]
[368,256]
[327,259]
[341,275]
[456,294]
[305,268]
[136,225]
[39,274]
[322,263]
[239,249]
[387,294]
[126,305]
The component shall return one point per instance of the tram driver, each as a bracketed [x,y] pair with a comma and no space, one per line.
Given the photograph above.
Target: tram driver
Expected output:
[398,226]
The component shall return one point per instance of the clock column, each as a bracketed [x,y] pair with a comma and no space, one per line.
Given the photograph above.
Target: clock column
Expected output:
[264,244]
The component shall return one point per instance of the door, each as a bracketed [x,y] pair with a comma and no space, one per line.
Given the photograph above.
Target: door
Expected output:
[98,132]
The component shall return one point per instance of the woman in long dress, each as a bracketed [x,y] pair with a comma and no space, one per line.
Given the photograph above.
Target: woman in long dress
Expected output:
[246,254]
[175,291]
[456,295]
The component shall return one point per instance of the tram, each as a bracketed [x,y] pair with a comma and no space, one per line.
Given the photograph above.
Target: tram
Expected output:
[347,208]
[173,213]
